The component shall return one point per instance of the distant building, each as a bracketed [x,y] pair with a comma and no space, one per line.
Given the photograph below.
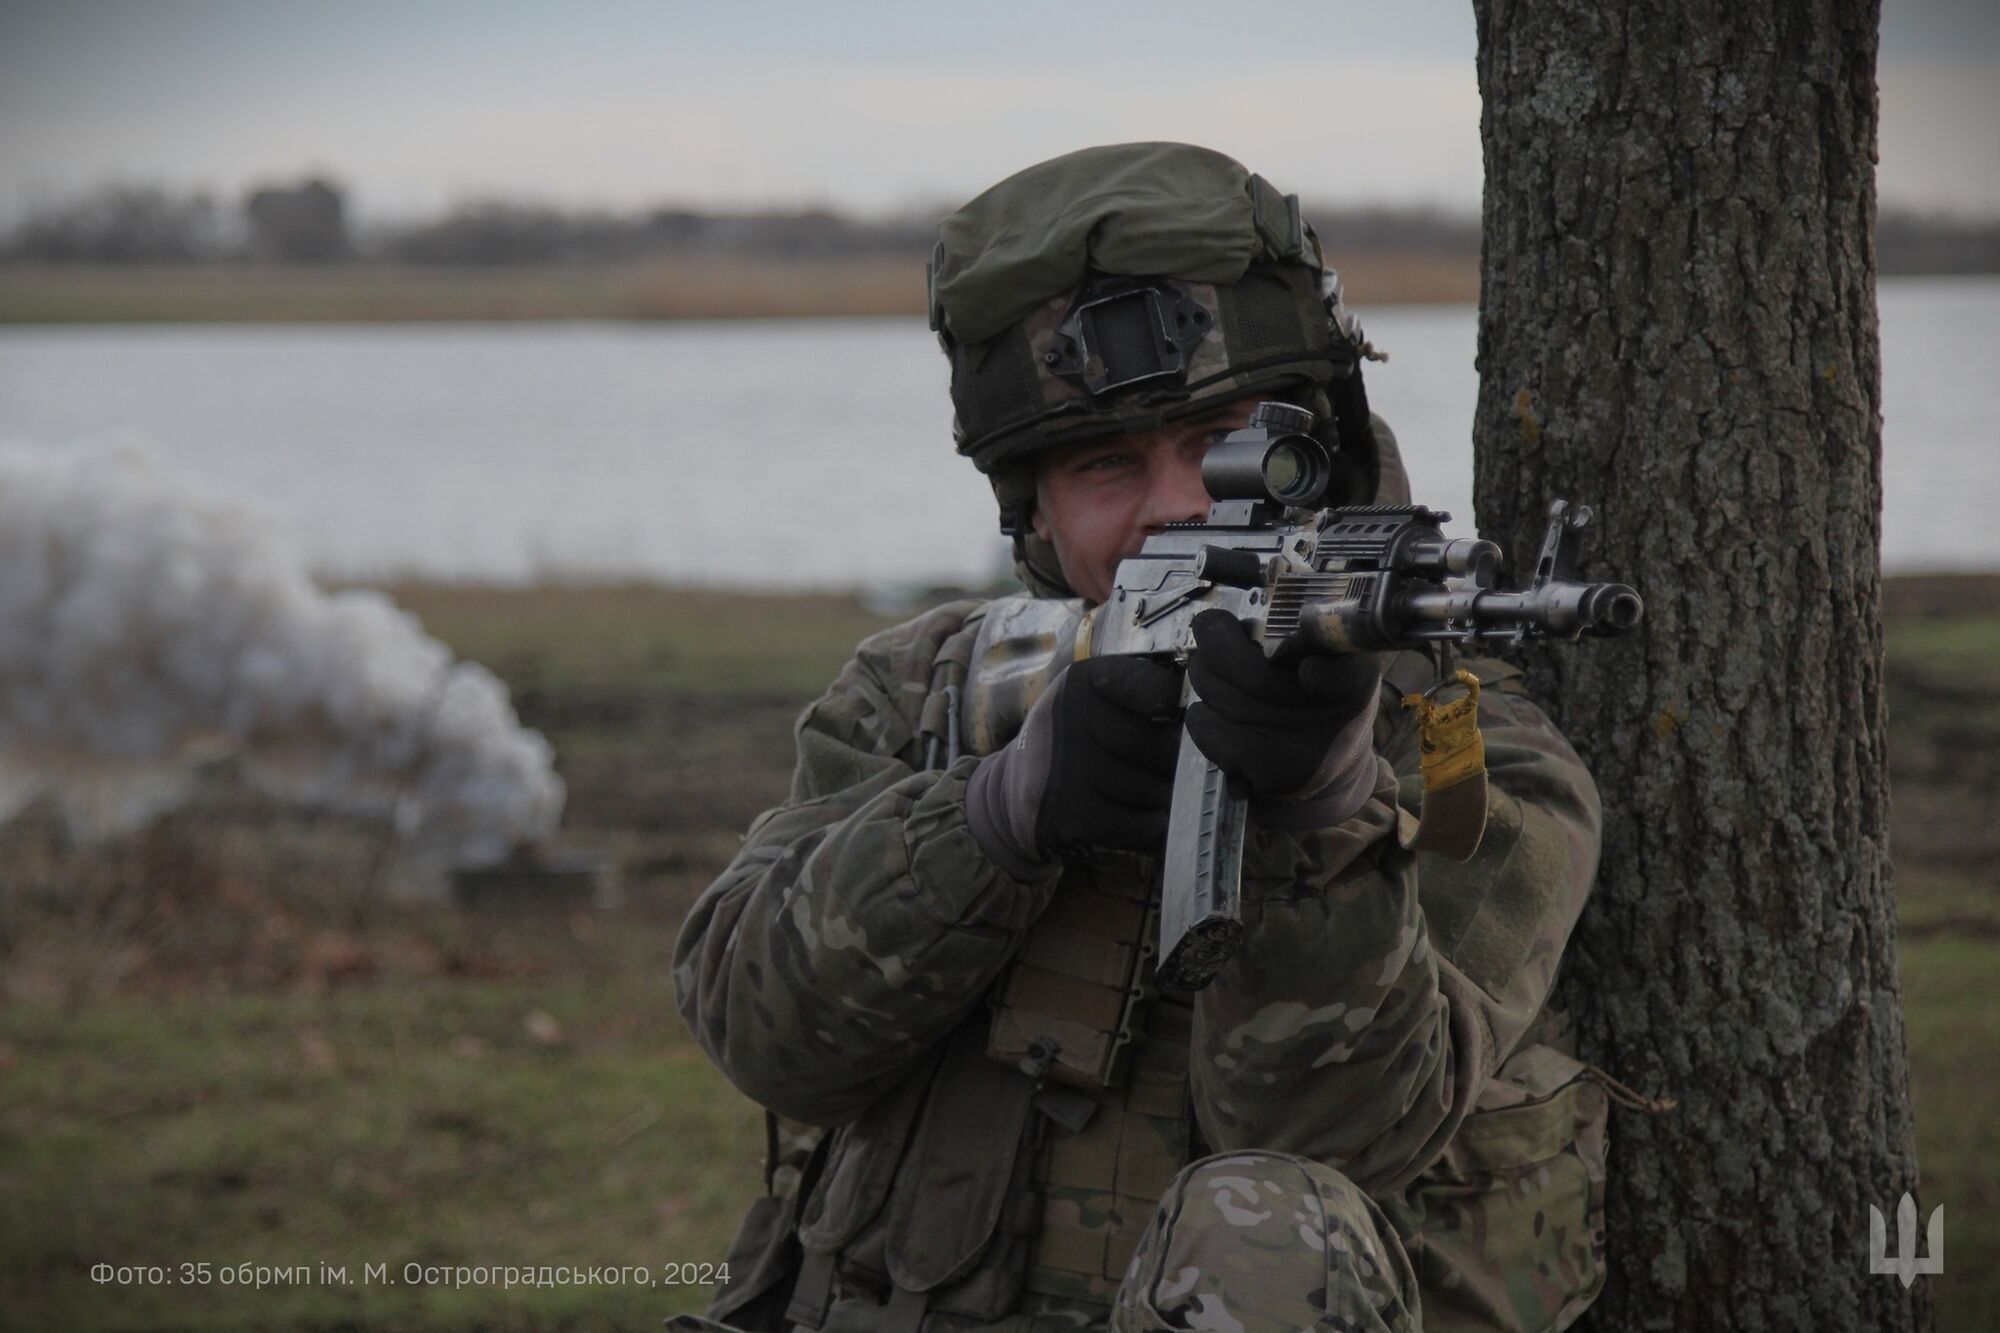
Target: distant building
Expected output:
[304,224]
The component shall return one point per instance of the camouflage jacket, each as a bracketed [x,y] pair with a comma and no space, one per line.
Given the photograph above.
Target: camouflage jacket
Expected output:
[1373,1020]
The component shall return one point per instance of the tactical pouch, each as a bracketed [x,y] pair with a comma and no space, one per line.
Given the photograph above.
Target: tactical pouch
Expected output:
[1506,1229]
[763,1261]
[925,1204]
[860,1169]
[960,1223]
[1075,999]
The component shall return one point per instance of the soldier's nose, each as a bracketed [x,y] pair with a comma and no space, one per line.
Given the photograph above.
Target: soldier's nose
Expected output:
[1186,499]
[1174,493]
[1174,509]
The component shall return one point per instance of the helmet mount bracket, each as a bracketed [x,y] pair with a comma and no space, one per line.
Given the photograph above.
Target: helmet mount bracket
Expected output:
[1127,331]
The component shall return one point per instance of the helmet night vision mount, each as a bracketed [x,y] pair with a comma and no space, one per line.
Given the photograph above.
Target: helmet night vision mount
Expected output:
[1127,331]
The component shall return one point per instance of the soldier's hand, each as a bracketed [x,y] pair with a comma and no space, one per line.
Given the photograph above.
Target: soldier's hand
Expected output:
[1093,766]
[1298,731]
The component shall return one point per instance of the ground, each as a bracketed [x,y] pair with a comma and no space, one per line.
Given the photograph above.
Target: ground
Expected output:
[244,1038]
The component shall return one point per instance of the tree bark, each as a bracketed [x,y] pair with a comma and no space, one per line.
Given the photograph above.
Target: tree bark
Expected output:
[1677,327]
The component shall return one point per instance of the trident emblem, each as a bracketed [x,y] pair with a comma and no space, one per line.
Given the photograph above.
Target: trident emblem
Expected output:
[1905,1265]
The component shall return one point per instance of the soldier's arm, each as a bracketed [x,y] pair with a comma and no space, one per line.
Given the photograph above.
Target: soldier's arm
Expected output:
[860,921]
[1376,992]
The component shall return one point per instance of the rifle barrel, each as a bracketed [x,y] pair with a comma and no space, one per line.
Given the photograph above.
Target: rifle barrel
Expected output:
[1557,608]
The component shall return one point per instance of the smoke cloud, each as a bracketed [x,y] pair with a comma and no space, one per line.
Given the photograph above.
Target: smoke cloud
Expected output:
[146,625]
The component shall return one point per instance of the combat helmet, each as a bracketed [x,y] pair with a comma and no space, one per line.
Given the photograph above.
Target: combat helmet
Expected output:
[1118,287]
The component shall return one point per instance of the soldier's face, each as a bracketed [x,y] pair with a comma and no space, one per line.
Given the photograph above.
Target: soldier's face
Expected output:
[1098,501]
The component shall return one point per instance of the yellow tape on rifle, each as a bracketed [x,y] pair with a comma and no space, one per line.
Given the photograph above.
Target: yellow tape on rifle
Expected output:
[1452,749]
[1086,629]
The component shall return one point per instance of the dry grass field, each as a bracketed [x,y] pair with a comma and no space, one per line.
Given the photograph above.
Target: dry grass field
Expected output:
[664,287]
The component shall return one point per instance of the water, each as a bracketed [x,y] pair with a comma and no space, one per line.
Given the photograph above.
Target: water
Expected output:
[810,454]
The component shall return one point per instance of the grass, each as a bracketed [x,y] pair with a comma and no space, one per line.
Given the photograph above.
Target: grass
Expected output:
[207,1053]
[1949,986]
[555,1118]
[644,639]
[1944,727]
[660,288]
[1961,647]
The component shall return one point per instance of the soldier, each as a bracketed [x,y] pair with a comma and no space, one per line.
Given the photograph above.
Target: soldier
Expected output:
[932,967]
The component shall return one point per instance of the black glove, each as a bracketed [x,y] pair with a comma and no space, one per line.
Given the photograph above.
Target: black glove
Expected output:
[1298,732]
[1092,767]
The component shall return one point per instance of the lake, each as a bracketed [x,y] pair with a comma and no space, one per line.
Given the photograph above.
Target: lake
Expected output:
[808,454]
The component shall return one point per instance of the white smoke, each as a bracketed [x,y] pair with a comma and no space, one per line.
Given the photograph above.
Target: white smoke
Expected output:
[146,625]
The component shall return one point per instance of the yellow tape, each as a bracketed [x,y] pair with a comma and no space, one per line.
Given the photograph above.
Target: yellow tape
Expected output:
[1451,748]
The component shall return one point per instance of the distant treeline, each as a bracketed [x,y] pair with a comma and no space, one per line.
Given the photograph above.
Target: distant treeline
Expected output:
[308,223]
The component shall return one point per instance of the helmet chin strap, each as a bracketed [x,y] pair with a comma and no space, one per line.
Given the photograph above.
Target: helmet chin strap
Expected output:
[1035,562]
[1038,569]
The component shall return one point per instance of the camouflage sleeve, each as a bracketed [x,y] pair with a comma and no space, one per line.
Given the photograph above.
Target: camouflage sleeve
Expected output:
[1376,991]
[860,921]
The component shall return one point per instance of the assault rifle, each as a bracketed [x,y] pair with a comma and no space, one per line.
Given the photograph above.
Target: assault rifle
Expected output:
[1364,578]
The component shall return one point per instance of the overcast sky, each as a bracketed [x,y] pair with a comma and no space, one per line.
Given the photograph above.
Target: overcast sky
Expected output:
[869,105]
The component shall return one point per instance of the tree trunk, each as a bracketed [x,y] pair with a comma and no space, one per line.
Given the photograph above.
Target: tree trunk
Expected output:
[1677,327]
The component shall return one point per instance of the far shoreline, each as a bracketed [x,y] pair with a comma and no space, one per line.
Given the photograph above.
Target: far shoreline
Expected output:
[658,289]
[664,287]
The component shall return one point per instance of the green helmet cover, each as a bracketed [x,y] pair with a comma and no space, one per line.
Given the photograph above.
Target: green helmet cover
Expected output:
[1225,258]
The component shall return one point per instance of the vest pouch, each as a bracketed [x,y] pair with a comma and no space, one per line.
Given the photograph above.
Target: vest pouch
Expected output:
[1074,1001]
[964,1212]
[861,1168]
[1509,1222]
[763,1261]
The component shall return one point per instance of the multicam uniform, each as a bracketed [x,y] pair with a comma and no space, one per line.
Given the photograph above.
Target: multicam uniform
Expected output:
[1353,1126]
[1366,1120]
